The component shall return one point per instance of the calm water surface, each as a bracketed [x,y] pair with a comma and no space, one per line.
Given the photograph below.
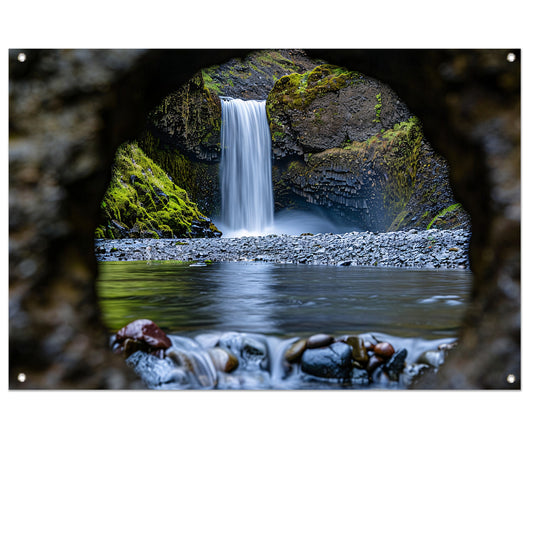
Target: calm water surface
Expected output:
[284,300]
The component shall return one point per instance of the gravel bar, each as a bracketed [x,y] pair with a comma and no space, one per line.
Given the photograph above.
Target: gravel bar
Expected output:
[409,249]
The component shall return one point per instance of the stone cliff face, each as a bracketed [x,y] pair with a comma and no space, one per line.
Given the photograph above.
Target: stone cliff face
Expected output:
[328,107]
[340,139]
[346,142]
[252,77]
[371,180]
[189,120]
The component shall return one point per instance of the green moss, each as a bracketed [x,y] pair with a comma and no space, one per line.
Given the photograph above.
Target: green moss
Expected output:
[377,108]
[397,152]
[143,199]
[298,91]
[199,179]
[209,82]
[195,111]
[217,77]
[442,213]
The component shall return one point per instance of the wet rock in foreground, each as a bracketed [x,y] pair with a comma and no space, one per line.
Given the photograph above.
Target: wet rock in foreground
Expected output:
[236,360]
[334,361]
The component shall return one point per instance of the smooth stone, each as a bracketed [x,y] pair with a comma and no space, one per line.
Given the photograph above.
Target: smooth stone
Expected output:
[395,365]
[130,346]
[374,362]
[369,345]
[359,353]
[222,359]
[334,361]
[319,341]
[146,331]
[384,349]
[295,351]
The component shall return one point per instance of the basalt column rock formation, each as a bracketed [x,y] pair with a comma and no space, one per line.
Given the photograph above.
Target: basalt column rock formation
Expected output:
[346,141]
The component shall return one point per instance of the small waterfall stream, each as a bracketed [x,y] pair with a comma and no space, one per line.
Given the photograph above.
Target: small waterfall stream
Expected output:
[245,167]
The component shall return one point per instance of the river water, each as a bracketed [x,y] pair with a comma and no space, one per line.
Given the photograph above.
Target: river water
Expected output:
[274,305]
[413,309]
[284,300]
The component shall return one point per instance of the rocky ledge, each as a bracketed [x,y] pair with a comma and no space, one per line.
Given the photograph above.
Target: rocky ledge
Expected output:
[408,249]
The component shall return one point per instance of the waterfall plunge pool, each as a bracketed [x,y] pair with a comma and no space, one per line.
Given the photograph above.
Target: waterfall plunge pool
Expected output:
[276,304]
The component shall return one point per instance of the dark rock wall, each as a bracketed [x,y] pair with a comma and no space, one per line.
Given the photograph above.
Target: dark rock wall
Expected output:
[189,120]
[252,77]
[71,109]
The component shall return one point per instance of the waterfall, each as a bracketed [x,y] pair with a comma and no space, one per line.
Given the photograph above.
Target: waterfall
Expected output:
[245,167]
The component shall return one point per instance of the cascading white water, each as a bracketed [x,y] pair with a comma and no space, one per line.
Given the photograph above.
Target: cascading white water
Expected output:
[246,168]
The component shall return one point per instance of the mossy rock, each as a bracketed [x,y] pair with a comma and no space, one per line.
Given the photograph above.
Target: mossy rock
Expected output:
[189,120]
[327,107]
[431,193]
[371,181]
[252,77]
[143,201]
[200,179]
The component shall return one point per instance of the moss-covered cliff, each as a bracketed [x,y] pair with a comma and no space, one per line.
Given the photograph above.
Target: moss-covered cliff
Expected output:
[143,201]
[327,107]
[346,142]
[198,178]
[189,120]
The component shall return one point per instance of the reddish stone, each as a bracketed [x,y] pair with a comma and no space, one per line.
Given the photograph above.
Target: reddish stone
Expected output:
[146,331]
[384,349]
